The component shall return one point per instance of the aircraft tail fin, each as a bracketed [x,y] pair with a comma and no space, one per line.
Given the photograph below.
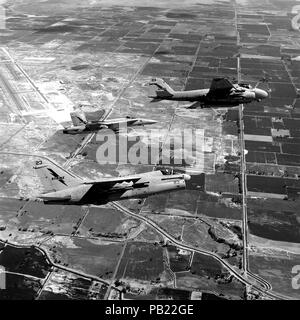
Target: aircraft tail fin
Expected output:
[78,118]
[164,90]
[55,178]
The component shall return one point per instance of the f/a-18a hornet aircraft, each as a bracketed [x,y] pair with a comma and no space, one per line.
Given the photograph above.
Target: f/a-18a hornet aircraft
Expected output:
[221,92]
[82,125]
[63,187]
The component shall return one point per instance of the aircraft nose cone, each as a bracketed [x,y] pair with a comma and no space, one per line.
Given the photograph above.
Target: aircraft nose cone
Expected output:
[152,121]
[186,177]
[149,121]
[260,94]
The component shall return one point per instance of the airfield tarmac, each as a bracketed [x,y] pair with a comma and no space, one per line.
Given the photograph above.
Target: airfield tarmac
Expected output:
[101,56]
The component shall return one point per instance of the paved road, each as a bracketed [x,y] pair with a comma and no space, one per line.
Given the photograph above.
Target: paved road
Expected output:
[90,136]
[245,230]
[245,280]
[58,266]
[12,96]
[248,278]
[160,230]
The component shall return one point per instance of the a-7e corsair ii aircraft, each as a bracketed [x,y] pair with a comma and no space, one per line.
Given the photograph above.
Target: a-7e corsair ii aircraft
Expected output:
[221,92]
[63,187]
[81,124]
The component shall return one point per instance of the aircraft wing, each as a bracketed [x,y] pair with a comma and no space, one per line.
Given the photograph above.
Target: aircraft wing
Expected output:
[80,117]
[143,178]
[117,122]
[94,116]
[220,86]
[105,185]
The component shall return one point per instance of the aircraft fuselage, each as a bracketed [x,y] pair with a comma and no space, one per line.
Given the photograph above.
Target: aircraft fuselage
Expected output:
[94,193]
[114,124]
[235,97]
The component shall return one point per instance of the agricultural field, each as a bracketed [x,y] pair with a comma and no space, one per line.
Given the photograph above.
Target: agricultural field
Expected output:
[240,210]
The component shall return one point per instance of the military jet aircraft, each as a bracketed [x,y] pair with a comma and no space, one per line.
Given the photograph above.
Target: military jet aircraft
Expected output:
[63,187]
[221,92]
[81,124]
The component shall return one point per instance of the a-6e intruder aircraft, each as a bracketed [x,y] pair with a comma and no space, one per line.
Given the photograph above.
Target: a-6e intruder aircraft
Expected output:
[82,125]
[63,187]
[221,92]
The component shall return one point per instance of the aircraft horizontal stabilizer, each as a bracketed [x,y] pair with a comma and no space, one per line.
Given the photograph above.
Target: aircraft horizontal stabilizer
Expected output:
[164,88]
